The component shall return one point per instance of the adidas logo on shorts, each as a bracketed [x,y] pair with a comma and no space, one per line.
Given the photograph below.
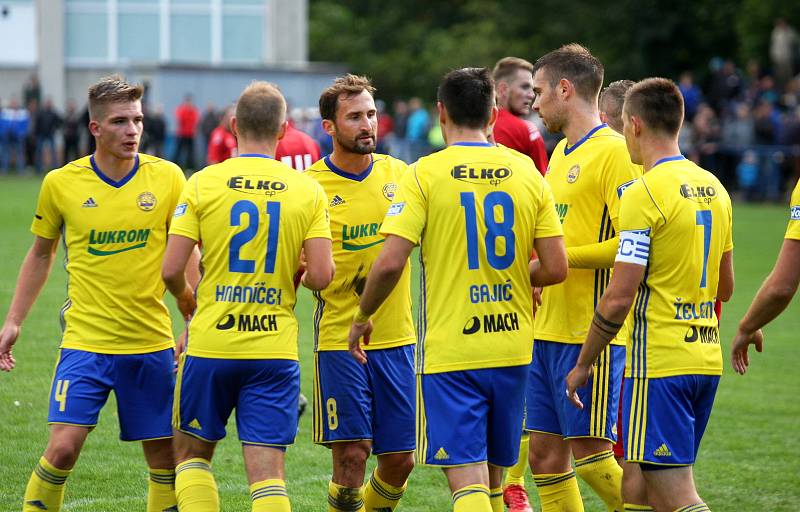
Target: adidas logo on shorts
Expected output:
[441,455]
[662,451]
[195,424]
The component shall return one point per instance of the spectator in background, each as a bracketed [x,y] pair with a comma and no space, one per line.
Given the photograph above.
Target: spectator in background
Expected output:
[397,139]
[221,143]
[186,116]
[417,128]
[297,149]
[692,95]
[706,133]
[30,135]
[90,142]
[726,86]
[48,121]
[783,49]
[155,130]
[767,130]
[385,128]
[32,91]
[737,135]
[72,133]
[208,123]
[747,175]
[14,121]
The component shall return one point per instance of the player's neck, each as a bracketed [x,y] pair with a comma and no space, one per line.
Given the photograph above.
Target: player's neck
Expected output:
[453,134]
[353,163]
[581,122]
[111,166]
[657,149]
[257,148]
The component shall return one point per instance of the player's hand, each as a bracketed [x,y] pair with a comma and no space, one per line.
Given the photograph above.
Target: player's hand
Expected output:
[537,299]
[180,346]
[187,303]
[357,331]
[577,377]
[741,341]
[8,336]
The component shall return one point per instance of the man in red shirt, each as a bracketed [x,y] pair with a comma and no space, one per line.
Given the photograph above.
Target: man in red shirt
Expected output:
[513,79]
[186,117]
[296,149]
[221,143]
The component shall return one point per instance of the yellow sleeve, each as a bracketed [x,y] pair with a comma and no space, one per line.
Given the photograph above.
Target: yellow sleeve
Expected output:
[620,173]
[320,223]
[47,220]
[793,229]
[729,235]
[186,218]
[176,189]
[407,215]
[547,223]
[599,255]
[639,211]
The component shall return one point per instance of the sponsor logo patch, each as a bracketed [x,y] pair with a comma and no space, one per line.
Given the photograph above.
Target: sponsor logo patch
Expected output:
[795,215]
[180,210]
[395,209]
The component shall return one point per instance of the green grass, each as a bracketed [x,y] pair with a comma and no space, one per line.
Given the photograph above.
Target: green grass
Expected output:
[748,460]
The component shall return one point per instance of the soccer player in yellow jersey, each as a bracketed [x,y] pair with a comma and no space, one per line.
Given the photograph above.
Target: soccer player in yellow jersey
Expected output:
[112,209]
[477,211]
[674,259]
[358,408]
[775,294]
[589,170]
[252,215]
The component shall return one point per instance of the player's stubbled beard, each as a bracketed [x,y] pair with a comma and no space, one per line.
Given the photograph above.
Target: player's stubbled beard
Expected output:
[358,145]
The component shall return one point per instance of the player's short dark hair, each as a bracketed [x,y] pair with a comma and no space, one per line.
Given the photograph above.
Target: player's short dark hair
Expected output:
[507,67]
[260,111]
[111,89]
[612,99]
[658,103]
[576,64]
[468,96]
[349,85]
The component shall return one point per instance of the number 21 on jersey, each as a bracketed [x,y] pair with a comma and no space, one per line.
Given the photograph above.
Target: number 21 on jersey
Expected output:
[250,210]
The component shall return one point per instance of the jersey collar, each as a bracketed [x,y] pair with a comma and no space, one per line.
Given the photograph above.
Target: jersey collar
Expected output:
[568,150]
[256,155]
[668,159]
[473,144]
[116,184]
[350,176]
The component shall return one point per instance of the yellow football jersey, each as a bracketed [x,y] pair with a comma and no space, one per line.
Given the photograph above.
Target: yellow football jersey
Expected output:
[587,180]
[474,209]
[251,215]
[357,206]
[793,229]
[114,233]
[676,220]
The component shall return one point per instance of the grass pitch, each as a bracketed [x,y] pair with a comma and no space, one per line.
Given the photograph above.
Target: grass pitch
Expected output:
[748,461]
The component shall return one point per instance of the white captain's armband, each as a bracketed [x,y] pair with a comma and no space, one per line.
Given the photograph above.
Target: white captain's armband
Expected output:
[795,213]
[634,247]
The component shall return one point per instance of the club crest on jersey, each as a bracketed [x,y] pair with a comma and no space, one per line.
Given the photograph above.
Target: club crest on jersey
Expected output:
[258,185]
[573,173]
[146,201]
[795,215]
[389,190]
[481,174]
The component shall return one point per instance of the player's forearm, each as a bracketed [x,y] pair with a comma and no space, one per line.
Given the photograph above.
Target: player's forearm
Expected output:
[770,301]
[176,283]
[608,319]
[599,255]
[192,272]
[380,282]
[32,277]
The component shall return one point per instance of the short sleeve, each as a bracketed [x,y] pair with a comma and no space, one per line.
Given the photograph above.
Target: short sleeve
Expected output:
[320,226]
[793,229]
[638,210]
[185,217]
[407,214]
[620,173]
[547,222]
[47,219]
[176,190]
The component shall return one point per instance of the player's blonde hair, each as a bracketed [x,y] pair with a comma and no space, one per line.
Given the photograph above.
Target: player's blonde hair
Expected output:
[508,66]
[658,103]
[576,64]
[349,85]
[111,89]
[611,100]
[260,111]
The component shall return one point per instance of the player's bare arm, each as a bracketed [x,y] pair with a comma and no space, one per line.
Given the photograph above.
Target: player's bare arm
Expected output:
[550,267]
[772,298]
[173,272]
[32,276]
[318,263]
[608,320]
[382,279]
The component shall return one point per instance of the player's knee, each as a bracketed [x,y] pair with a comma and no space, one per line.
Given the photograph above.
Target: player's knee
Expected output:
[353,456]
[62,453]
[395,467]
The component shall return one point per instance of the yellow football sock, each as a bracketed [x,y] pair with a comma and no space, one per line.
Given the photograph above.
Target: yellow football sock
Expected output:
[270,496]
[378,495]
[496,499]
[559,492]
[472,498]
[45,490]
[516,473]
[632,507]
[602,472]
[161,491]
[195,487]
[345,499]
[697,507]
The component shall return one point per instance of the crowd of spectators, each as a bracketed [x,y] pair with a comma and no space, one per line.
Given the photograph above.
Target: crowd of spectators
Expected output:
[741,124]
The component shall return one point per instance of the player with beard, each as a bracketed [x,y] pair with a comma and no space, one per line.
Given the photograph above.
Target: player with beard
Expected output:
[513,79]
[370,407]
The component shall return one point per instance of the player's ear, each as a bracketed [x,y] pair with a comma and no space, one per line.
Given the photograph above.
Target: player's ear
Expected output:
[565,89]
[442,113]
[329,127]
[94,128]
[234,127]
[492,119]
[282,130]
